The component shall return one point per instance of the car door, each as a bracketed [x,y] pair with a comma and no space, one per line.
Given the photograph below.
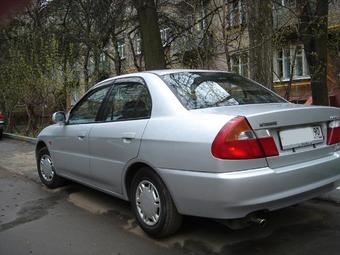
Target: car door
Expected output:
[116,140]
[70,145]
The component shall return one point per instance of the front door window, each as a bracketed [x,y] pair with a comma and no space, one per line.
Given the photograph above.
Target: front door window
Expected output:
[87,109]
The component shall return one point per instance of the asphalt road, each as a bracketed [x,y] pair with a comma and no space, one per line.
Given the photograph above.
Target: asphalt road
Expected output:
[78,220]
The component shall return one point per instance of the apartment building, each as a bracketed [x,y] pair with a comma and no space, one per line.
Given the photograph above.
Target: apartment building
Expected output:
[289,60]
[213,34]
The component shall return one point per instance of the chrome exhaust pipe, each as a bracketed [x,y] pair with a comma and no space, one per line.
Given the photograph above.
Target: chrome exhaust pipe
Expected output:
[242,223]
[258,221]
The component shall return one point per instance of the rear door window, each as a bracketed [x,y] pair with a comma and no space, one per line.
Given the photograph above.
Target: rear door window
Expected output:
[128,101]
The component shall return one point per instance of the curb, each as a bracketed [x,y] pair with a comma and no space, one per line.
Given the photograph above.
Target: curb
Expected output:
[21,138]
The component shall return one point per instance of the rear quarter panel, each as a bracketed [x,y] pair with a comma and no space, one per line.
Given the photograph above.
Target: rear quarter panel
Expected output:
[183,142]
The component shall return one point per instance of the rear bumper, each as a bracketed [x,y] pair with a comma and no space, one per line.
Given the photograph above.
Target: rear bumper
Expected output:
[236,194]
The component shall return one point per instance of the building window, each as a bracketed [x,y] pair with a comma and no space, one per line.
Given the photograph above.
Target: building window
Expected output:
[283,63]
[165,36]
[237,13]
[138,44]
[102,57]
[299,58]
[288,3]
[240,64]
[243,14]
[121,47]
[103,61]
[202,23]
[190,21]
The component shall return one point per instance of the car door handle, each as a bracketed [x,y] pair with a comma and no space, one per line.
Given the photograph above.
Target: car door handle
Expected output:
[81,137]
[128,137]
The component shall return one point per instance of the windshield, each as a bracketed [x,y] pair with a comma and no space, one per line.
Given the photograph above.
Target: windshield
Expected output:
[208,89]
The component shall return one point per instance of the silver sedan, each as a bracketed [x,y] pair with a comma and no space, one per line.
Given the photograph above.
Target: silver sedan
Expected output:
[192,142]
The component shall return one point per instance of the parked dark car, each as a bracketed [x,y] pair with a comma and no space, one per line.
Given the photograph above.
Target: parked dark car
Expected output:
[2,123]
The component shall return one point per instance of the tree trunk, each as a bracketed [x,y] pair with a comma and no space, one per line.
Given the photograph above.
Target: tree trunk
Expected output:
[260,27]
[313,31]
[117,60]
[289,86]
[134,55]
[96,56]
[150,34]
[225,36]
[86,69]
[32,119]
[10,122]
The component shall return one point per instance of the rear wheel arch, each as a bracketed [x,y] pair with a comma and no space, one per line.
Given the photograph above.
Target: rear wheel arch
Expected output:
[133,169]
[131,172]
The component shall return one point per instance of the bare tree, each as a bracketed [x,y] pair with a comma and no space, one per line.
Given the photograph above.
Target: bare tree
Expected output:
[150,34]
[260,27]
[313,32]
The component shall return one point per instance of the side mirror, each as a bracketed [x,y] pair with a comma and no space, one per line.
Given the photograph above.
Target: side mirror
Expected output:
[58,117]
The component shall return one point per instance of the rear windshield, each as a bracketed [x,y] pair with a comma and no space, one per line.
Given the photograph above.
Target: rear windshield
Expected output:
[207,89]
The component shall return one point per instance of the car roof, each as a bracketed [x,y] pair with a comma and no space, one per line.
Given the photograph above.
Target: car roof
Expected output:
[156,72]
[169,71]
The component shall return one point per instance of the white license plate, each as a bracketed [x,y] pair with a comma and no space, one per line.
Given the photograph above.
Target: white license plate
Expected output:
[298,137]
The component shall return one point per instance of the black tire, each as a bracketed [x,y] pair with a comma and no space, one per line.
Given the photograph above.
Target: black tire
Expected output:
[56,181]
[169,219]
[1,132]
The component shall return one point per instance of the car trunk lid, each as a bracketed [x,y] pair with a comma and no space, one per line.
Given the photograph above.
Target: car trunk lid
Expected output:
[299,132]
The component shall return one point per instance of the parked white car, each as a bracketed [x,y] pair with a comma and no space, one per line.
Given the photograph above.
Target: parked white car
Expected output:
[2,124]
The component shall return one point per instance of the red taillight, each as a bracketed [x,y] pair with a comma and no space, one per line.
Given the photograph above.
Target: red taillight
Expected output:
[237,140]
[333,132]
[2,117]
[268,145]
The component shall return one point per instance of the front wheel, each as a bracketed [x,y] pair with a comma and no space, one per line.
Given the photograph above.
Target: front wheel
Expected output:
[46,170]
[152,205]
